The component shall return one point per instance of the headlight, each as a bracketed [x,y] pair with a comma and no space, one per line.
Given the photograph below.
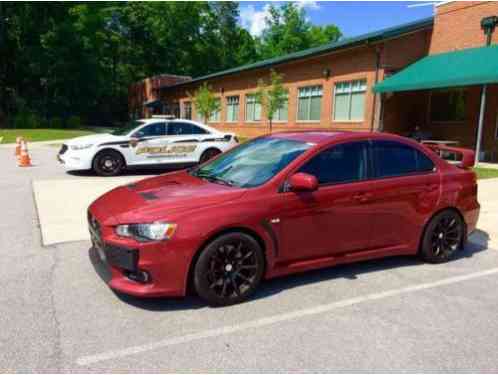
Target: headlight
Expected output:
[81,147]
[147,232]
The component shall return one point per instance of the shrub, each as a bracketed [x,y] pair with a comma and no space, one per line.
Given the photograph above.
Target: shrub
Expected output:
[74,122]
[26,120]
[55,123]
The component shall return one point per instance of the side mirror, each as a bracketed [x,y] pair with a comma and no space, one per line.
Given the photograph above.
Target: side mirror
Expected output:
[303,182]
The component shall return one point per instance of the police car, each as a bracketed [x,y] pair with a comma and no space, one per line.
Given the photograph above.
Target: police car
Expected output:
[153,142]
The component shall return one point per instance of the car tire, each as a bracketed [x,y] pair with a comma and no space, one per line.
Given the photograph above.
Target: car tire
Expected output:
[108,163]
[229,269]
[208,155]
[443,237]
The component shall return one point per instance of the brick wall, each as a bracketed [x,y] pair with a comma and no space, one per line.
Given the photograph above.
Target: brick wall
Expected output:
[147,89]
[457,25]
[347,65]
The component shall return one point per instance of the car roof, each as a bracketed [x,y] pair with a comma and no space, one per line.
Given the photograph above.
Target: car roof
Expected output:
[320,137]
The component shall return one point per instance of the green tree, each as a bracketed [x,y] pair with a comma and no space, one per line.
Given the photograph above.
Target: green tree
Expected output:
[287,30]
[205,102]
[272,96]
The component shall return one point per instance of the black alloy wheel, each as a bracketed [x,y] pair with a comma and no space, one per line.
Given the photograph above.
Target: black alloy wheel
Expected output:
[229,269]
[108,163]
[208,155]
[443,237]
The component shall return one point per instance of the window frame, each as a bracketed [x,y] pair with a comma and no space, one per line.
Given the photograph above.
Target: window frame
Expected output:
[375,164]
[253,95]
[350,96]
[185,105]
[309,105]
[231,104]
[278,110]
[217,119]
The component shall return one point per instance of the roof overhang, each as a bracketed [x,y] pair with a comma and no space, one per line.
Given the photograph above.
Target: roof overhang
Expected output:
[467,67]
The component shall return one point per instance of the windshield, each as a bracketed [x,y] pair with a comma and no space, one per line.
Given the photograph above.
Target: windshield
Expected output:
[127,128]
[253,163]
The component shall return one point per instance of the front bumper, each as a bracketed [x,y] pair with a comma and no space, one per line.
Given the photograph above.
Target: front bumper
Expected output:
[150,269]
[75,160]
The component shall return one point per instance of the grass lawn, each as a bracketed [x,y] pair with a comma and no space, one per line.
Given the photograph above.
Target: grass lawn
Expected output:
[486,172]
[33,135]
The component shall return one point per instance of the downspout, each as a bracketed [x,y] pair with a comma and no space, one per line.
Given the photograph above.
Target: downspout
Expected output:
[377,67]
[488,25]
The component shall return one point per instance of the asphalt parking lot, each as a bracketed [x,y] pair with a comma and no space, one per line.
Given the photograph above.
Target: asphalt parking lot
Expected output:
[395,314]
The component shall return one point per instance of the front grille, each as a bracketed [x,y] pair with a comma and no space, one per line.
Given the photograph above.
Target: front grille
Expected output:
[63,149]
[121,257]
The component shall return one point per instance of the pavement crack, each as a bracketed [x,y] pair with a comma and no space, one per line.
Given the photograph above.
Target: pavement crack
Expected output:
[56,357]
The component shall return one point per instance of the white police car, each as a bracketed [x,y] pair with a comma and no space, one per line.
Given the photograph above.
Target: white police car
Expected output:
[157,141]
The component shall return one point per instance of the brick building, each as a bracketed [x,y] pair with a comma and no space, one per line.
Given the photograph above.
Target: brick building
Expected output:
[371,82]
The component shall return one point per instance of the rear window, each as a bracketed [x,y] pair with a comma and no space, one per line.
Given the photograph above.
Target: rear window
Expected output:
[397,159]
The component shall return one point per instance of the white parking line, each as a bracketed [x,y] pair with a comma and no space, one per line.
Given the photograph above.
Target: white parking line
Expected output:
[91,359]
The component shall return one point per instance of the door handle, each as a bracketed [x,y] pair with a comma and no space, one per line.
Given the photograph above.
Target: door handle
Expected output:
[362,197]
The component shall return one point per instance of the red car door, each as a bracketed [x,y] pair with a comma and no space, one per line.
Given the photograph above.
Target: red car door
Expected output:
[406,189]
[337,217]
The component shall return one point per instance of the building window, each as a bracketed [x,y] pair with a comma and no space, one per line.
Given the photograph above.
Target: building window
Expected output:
[187,110]
[281,114]
[448,105]
[349,100]
[232,109]
[309,103]
[253,108]
[215,116]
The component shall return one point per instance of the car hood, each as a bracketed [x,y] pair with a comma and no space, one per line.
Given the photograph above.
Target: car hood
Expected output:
[95,139]
[160,198]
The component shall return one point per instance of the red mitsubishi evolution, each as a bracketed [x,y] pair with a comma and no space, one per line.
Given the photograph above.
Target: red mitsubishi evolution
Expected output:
[281,204]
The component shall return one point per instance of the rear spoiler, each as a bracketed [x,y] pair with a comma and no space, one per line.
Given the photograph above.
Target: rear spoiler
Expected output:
[462,157]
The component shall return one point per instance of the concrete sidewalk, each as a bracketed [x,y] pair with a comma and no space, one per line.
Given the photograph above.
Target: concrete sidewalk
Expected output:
[488,218]
[62,205]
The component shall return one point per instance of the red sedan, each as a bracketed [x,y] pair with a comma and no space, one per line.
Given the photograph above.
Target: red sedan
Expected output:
[282,204]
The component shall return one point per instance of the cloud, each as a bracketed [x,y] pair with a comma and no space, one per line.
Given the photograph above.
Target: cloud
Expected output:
[253,20]
[308,4]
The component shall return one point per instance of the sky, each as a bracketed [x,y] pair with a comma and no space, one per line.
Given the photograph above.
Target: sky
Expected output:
[353,17]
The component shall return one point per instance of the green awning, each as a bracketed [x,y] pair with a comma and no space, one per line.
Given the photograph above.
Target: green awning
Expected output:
[473,66]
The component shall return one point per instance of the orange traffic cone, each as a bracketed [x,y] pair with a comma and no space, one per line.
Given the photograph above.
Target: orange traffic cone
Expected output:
[24,159]
[18,147]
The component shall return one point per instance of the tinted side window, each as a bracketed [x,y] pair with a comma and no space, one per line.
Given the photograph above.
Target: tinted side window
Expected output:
[153,130]
[424,164]
[197,130]
[339,164]
[184,128]
[396,159]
